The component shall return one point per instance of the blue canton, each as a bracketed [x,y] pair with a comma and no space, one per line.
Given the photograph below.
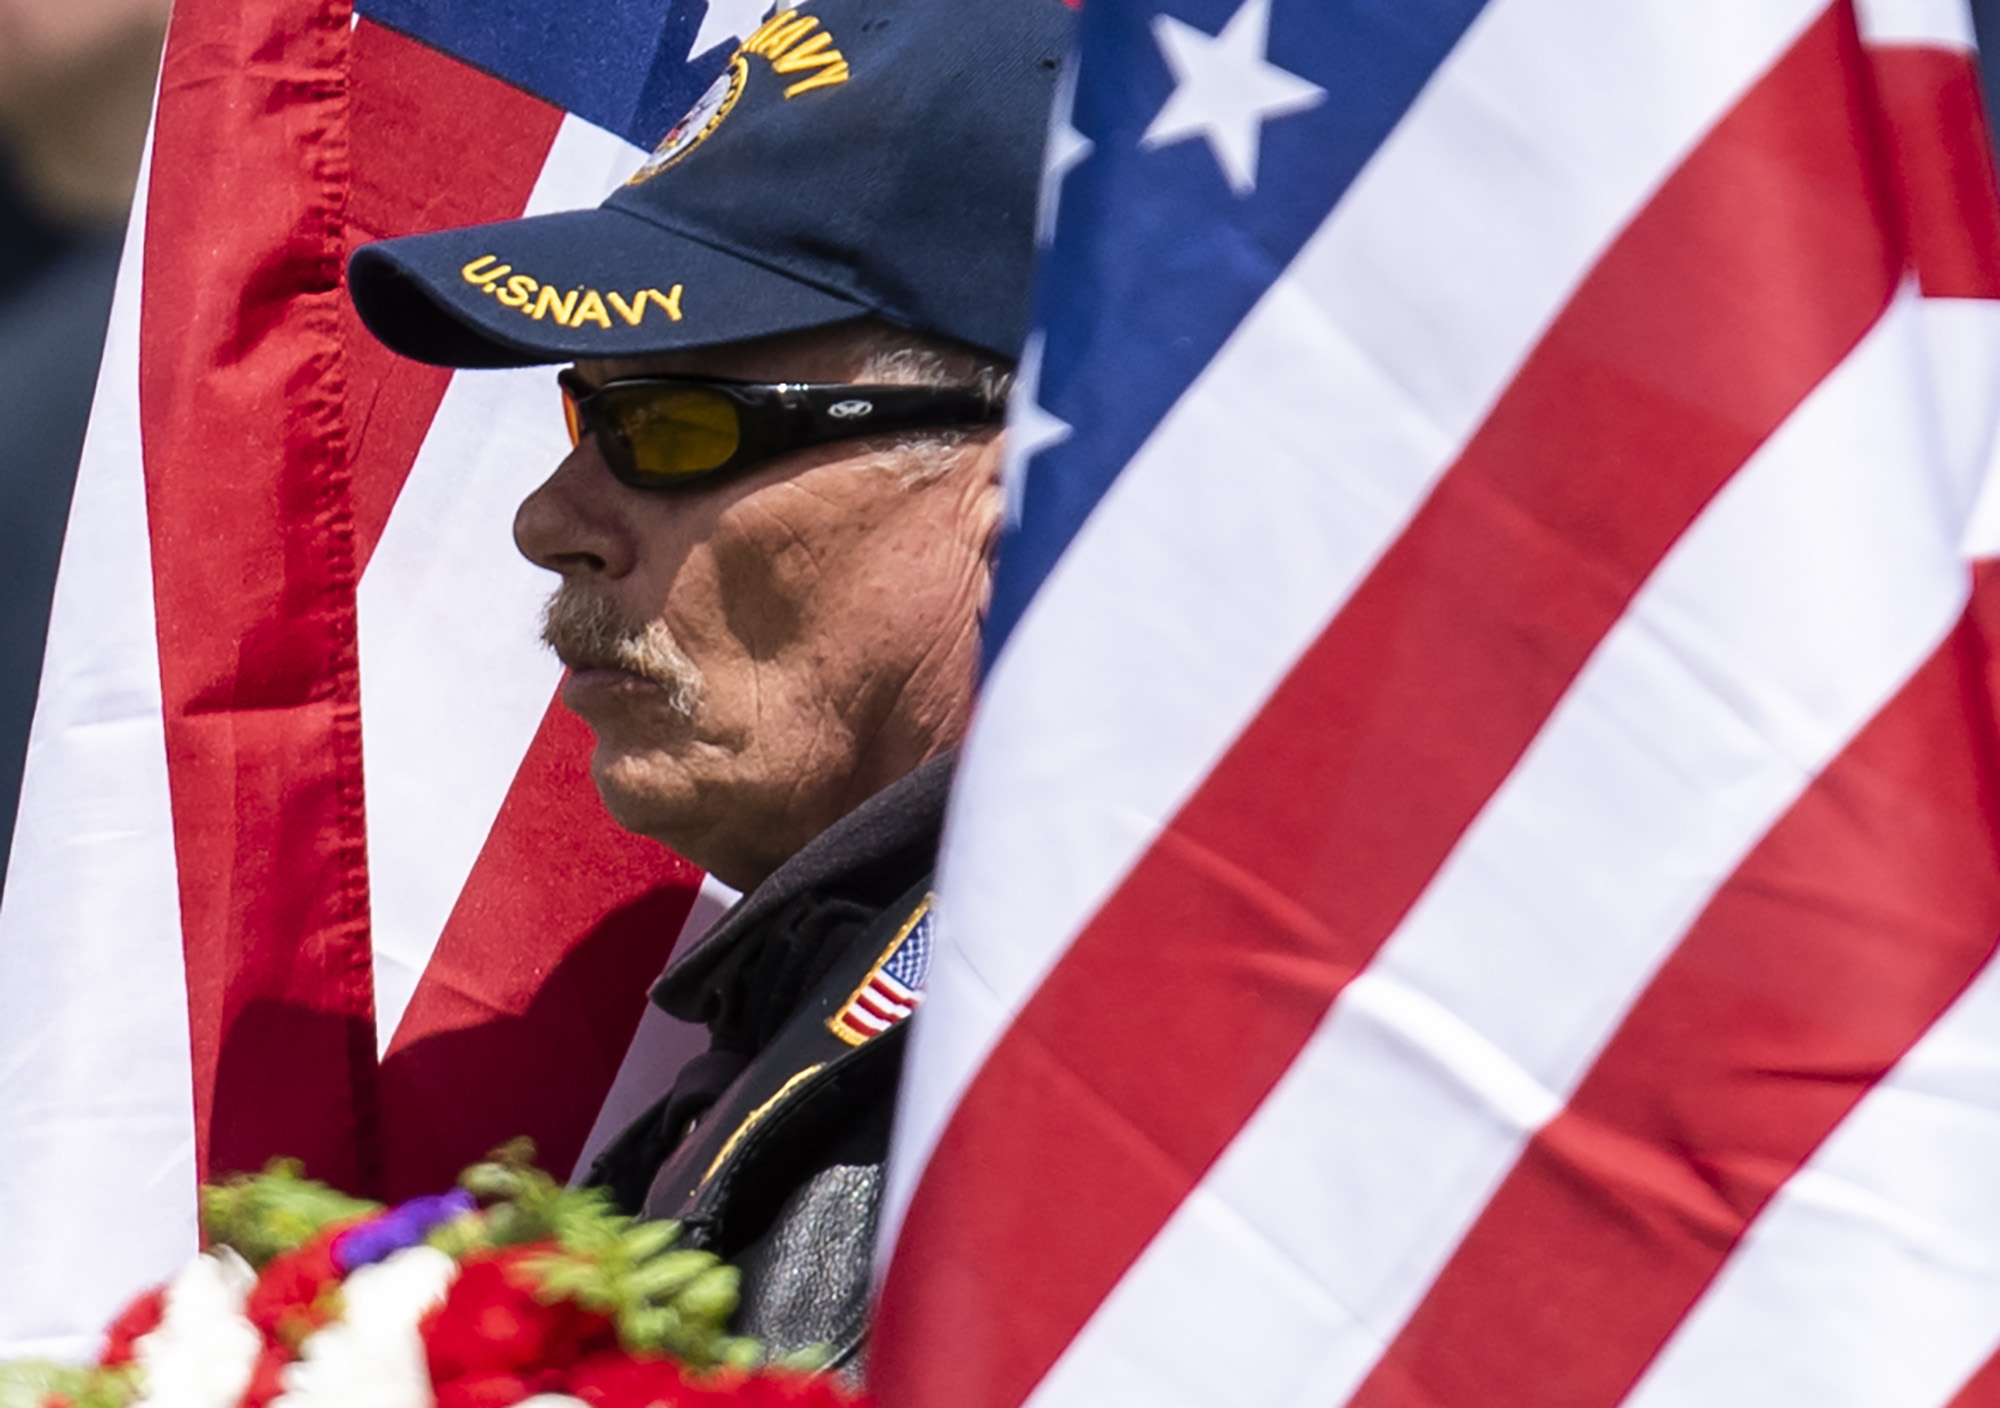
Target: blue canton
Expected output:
[1134,221]
[910,964]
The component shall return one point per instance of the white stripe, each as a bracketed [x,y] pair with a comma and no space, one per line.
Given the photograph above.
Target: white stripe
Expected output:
[1814,585]
[1939,23]
[454,681]
[96,1120]
[1873,1280]
[661,1045]
[725,21]
[1280,478]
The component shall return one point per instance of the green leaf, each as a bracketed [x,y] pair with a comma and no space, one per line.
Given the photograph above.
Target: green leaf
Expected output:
[562,1278]
[646,1327]
[809,1360]
[738,1352]
[711,1297]
[668,1276]
[25,1383]
[646,1240]
[263,1215]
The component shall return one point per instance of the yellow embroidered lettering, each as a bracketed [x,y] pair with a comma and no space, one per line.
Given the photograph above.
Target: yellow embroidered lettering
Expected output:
[630,312]
[671,301]
[475,272]
[548,300]
[762,31]
[780,32]
[519,290]
[816,52]
[591,310]
[825,78]
[783,39]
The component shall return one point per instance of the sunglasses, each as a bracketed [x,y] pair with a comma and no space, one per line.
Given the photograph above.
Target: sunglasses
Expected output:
[658,432]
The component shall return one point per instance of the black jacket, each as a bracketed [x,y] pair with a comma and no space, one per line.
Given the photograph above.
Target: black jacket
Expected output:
[769,1148]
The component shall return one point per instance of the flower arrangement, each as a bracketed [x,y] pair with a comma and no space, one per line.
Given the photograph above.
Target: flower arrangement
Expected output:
[507,1290]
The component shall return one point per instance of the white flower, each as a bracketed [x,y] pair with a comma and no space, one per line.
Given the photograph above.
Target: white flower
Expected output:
[551,1400]
[204,1351]
[373,1357]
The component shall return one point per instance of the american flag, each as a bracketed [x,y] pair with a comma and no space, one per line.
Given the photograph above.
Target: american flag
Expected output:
[893,987]
[307,863]
[1494,683]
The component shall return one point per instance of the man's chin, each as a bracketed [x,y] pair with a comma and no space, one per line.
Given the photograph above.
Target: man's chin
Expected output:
[645,792]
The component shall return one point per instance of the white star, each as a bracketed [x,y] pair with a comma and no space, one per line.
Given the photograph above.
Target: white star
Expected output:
[1225,91]
[1030,429]
[1067,147]
[727,21]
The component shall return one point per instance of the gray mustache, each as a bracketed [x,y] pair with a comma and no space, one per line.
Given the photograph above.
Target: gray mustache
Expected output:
[587,632]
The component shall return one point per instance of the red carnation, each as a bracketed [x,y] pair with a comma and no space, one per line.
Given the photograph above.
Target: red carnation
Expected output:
[777,1388]
[484,1391]
[135,1321]
[293,1295]
[491,1322]
[267,1379]
[771,1388]
[616,1379]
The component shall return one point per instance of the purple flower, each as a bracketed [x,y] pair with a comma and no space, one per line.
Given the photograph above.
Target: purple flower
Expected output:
[379,1238]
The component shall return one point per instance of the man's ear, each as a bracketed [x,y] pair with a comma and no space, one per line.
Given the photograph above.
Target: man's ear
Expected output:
[992,475]
[985,505]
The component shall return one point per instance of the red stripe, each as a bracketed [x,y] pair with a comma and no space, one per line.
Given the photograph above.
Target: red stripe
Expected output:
[1845,934]
[874,1021]
[1751,275]
[436,143]
[1943,163]
[882,1005]
[538,982]
[536,986]
[254,574]
[1982,1390]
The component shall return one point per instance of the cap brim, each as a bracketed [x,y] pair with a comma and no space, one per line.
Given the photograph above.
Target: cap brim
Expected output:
[586,283]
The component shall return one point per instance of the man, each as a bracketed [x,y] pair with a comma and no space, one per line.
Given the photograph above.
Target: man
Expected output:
[791,333]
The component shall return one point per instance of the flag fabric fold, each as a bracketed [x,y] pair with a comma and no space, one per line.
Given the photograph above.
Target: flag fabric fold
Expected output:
[308,862]
[1492,677]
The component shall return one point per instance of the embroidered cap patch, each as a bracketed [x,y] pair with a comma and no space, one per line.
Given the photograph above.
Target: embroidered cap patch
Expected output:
[894,986]
[798,51]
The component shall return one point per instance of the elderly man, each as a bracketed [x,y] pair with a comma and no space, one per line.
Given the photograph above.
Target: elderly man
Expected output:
[790,335]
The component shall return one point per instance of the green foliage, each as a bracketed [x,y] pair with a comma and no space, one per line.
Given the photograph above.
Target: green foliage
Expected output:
[31,1383]
[262,1215]
[663,1298]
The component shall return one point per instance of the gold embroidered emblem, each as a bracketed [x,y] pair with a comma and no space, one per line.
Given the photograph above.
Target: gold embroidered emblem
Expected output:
[791,43]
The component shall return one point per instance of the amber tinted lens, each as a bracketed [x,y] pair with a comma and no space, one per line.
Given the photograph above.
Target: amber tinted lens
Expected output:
[570,419]
[673,432]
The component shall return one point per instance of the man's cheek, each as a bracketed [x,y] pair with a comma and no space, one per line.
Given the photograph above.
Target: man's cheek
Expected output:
[763,585]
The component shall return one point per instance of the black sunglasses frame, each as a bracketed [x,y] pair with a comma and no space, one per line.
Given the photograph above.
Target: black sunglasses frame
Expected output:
[772,418]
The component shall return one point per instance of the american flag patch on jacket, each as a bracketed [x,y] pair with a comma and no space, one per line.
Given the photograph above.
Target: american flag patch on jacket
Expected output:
[893,987]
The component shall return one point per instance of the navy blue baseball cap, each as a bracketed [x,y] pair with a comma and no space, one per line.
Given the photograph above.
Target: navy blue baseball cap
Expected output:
[856,158]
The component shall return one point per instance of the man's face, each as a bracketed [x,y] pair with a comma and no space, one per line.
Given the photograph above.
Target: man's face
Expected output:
[760,654]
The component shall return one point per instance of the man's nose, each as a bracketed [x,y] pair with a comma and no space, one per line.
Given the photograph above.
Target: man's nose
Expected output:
[571,523]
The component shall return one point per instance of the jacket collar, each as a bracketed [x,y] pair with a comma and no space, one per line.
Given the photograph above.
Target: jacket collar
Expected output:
[904,816]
